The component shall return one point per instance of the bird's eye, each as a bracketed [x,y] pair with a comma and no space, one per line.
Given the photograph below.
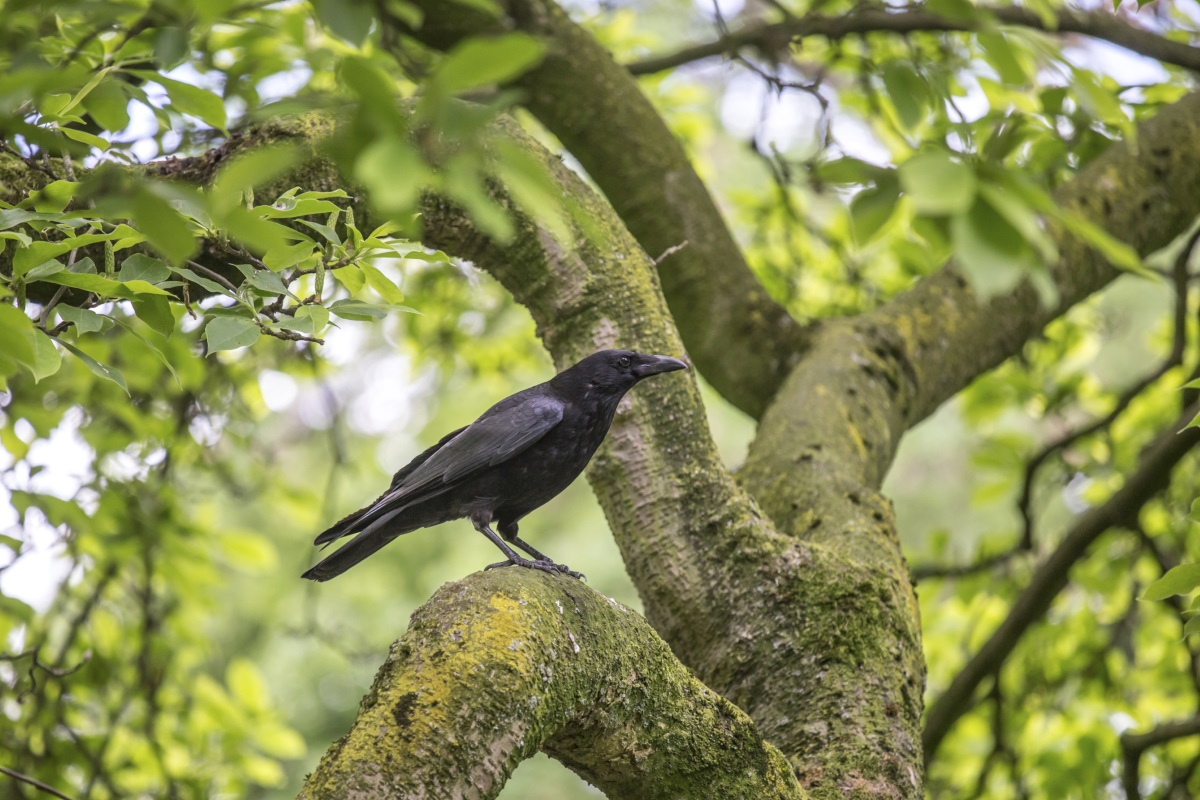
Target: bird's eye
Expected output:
[623,361]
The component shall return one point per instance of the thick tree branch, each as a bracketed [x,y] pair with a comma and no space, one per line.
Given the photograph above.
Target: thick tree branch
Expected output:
[504,663]
[1134,744]
[740,339]
[772,37]
[1151,477]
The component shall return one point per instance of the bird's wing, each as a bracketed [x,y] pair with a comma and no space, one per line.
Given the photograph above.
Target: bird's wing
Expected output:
[351,522]
[503,432]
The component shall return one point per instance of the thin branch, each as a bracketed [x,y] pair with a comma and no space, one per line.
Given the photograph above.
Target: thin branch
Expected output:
[35,783]
[1151,476]
[216,276]
[670,251]
[1134,744]
[924,572]
[774,36]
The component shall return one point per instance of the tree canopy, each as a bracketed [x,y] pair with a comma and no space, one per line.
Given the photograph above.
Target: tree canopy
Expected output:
[921,523]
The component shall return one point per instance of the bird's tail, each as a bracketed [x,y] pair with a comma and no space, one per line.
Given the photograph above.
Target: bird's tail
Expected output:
[344,527]
[373,537]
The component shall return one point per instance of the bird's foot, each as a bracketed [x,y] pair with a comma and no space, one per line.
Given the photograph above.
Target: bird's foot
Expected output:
[542,564]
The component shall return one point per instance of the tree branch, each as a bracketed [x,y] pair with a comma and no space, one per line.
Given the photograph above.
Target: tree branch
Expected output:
[1151,477]
[740,339]
[42,787]
[1134,744]
[772,37]
[503,663]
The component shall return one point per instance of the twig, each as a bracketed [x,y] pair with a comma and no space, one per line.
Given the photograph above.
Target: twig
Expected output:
[670,251]
[35,783]
[924,572]
[216,276]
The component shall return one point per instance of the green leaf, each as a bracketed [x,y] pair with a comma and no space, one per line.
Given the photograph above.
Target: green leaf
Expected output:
[228,333]
[381,284]
[37,254]
[156,312]
[992,254]
[90,139]
[164,227]
[85,321]
[393,172]
[1179,580]
[152,347]
[353,309]
[908,91]
[54,196]
[103,370]
[286,255]
[483,61]
[46,358]
[279,741]
[352,278]
[1119,254]
[937,184]
[15,328]
[349,19]
[267,281]
[15,216]
[106,287]
[249,551]
[327,233]
[108,105]
[1004,57]
[189,99]
[297,207]
[144,268]
[1018,214]
[872,208]
[318,314]
[250,170]
[530,184]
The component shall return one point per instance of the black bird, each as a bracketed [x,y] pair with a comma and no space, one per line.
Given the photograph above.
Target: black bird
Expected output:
[517,456]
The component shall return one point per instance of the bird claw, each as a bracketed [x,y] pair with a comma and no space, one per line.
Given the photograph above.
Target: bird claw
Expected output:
[541,565]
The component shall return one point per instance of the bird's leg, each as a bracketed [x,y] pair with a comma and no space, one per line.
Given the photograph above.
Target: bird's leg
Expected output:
[541,563]
[509,532]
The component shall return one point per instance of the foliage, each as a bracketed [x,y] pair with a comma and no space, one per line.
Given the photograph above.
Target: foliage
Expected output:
[143,318]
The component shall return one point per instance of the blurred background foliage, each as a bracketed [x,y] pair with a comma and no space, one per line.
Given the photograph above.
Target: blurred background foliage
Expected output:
[162,478]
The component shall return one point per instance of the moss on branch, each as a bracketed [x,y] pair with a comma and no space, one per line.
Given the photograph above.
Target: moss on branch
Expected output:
[503,663]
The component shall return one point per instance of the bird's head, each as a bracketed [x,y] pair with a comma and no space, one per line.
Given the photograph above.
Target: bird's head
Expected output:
[618,370]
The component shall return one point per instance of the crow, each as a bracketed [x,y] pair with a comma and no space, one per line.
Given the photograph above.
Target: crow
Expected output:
[519,455]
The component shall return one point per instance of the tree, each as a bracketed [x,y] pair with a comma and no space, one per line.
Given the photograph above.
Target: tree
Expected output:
[781,652]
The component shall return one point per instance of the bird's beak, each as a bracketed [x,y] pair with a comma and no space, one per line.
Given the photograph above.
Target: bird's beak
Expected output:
[656,364]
